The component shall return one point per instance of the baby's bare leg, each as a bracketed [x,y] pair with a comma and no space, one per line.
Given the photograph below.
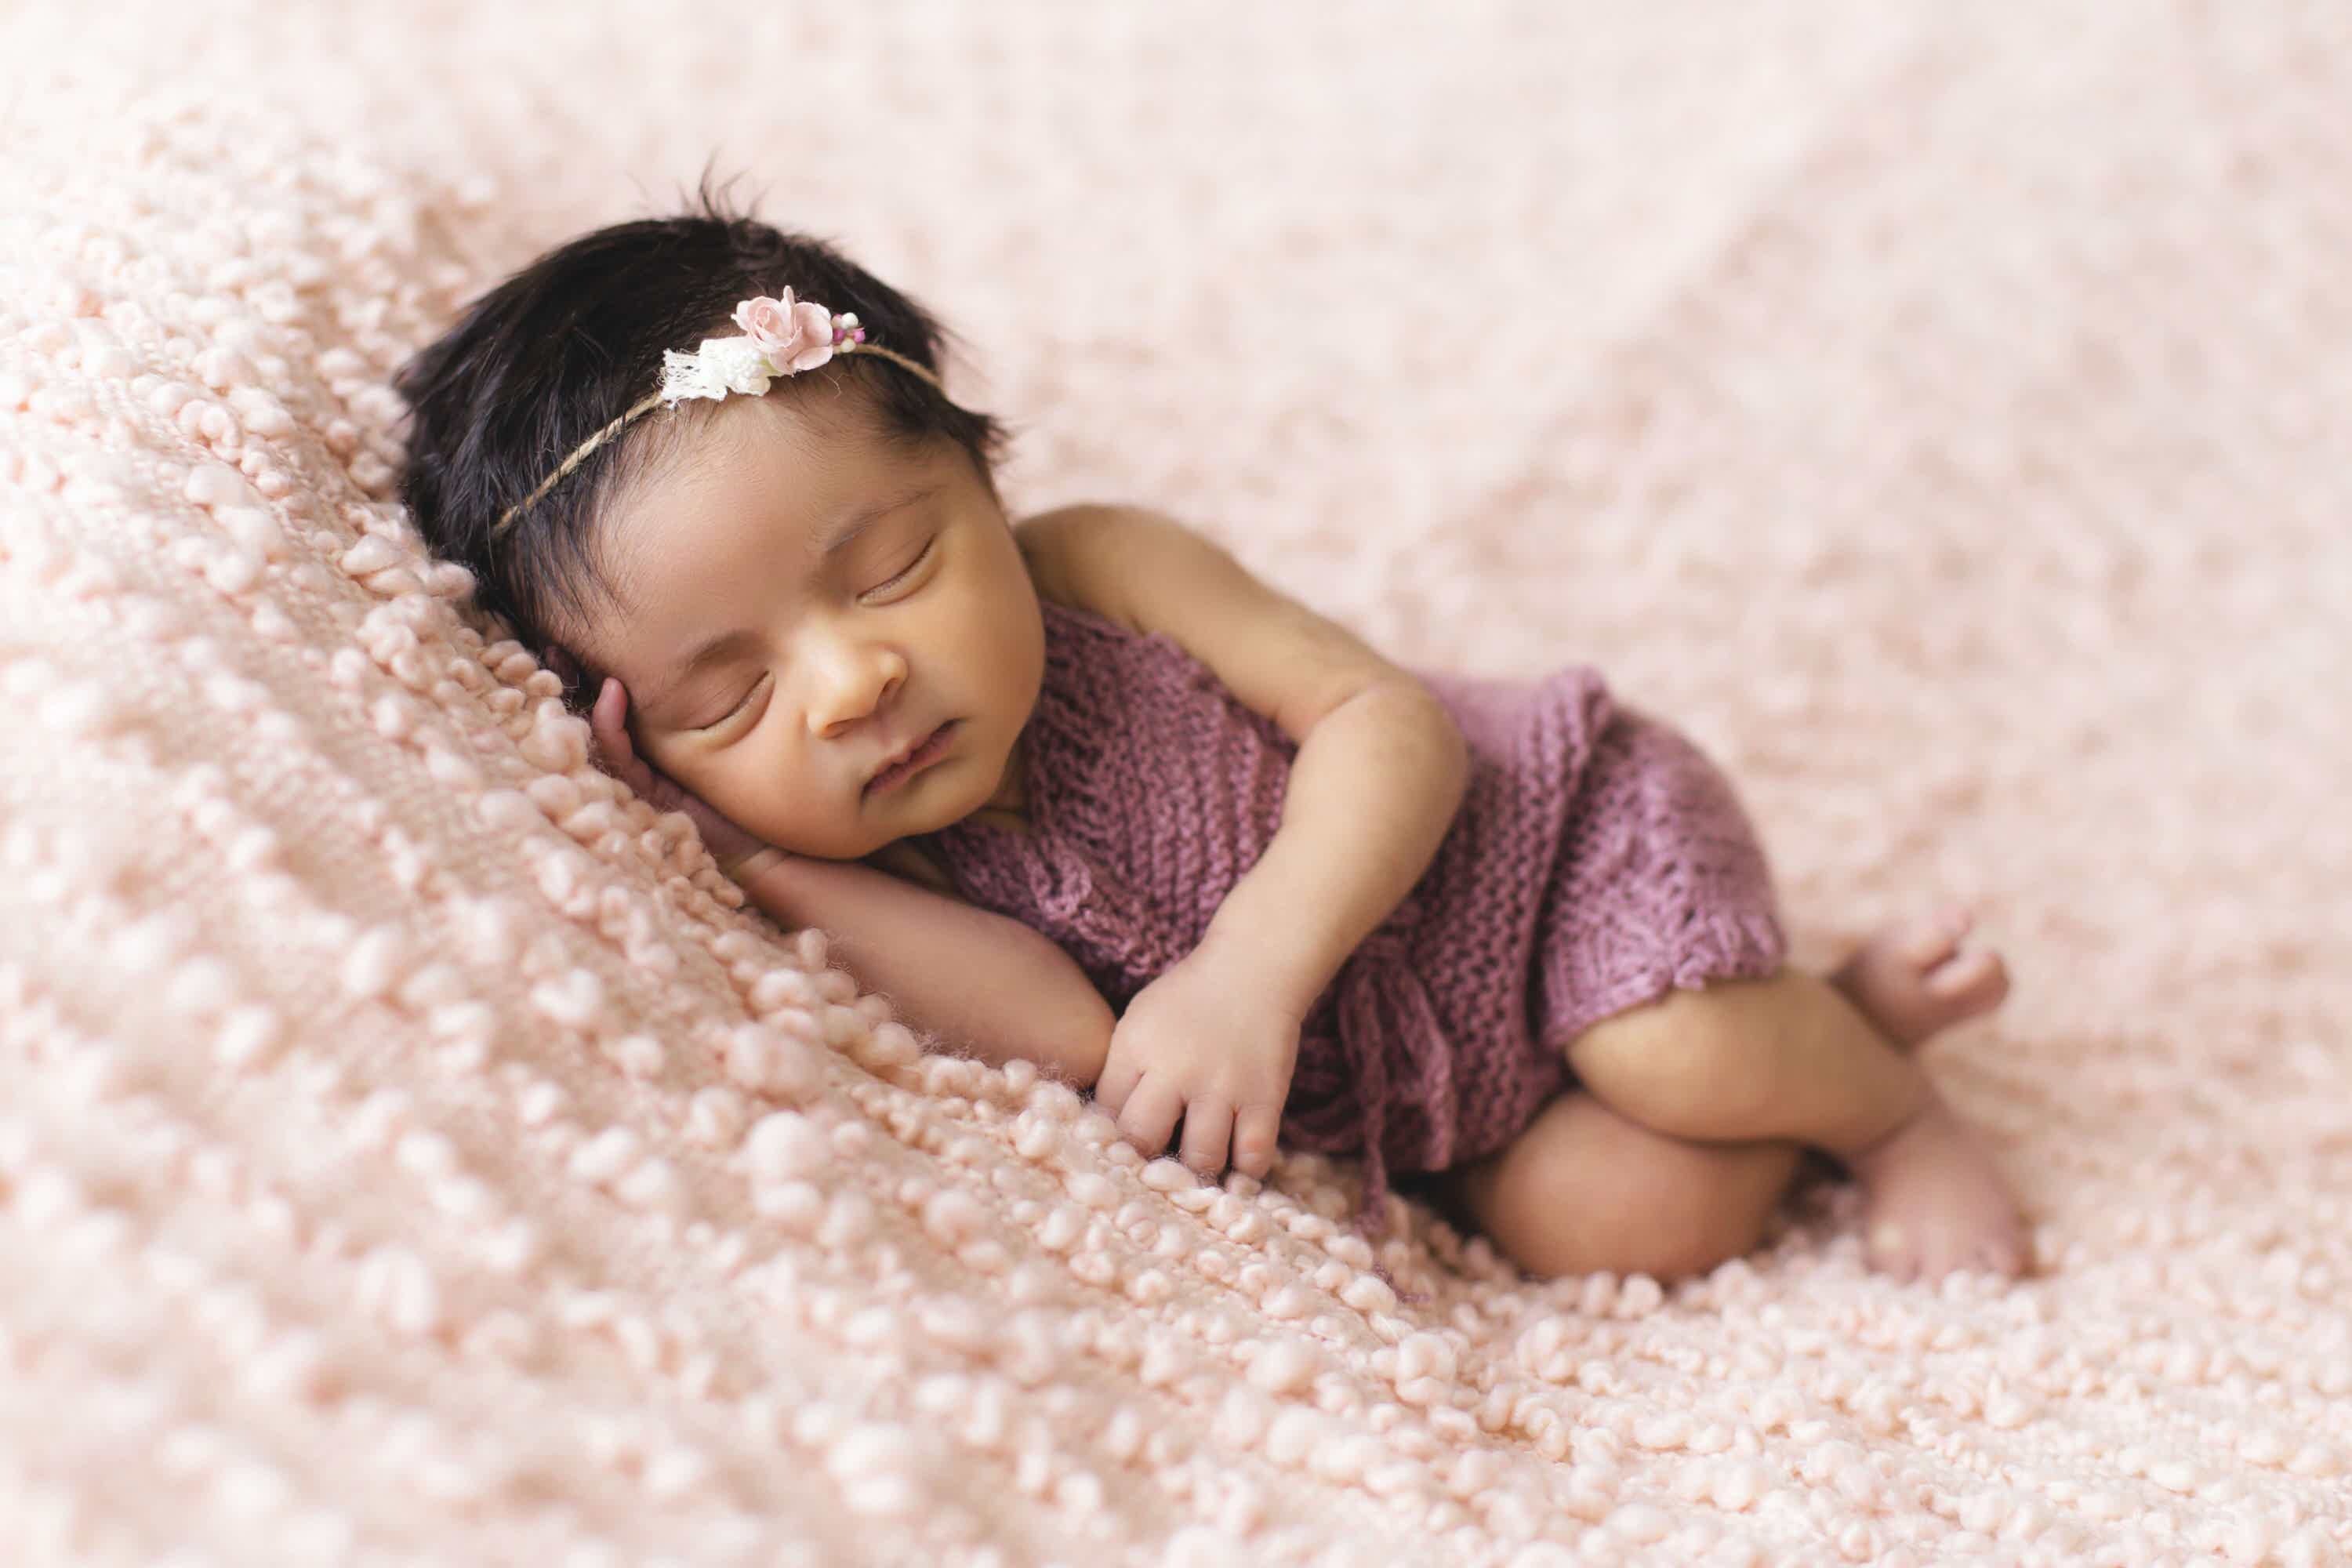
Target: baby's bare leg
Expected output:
[1793,1057]
[1582,1189]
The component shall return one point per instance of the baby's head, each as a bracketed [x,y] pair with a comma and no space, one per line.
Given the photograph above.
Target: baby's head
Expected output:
[710,521]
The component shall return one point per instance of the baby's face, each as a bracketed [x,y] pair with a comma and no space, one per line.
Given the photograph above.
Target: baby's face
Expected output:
[831,664]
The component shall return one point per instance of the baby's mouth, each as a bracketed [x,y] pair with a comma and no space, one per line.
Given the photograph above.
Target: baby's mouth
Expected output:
[921,756]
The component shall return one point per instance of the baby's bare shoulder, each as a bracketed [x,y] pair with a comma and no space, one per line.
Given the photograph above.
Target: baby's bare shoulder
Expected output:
[1049,543]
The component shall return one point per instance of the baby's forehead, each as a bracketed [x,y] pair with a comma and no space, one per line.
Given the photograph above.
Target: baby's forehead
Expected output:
[767,443]
[693,461]
[758,483]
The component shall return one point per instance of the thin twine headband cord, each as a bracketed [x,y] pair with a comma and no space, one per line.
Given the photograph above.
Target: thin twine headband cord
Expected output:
[781,337]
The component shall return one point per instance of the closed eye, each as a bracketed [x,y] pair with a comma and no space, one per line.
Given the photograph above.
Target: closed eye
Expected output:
[723,718]
[909,570]
[732,713]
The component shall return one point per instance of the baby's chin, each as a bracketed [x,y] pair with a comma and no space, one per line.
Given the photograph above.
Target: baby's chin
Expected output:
[878,827]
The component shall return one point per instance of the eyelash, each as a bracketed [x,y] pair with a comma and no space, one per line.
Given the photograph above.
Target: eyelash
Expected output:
[733,712]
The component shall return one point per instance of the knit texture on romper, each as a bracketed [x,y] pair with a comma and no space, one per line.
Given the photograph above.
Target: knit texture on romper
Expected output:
[1597,860]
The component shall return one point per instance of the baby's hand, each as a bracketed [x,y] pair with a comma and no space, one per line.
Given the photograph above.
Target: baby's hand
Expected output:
[1203,1043]
[729,845]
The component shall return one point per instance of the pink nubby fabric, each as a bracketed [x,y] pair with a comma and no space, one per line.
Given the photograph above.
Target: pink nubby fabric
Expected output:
[1597,861]
[415,1152]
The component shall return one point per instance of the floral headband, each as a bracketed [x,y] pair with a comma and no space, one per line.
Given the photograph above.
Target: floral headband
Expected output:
[781,336]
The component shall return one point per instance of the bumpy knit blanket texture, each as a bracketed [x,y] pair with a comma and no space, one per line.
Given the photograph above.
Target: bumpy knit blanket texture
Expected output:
[413,1151]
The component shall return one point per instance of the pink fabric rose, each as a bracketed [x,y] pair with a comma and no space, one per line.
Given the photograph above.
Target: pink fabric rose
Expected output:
[797,336]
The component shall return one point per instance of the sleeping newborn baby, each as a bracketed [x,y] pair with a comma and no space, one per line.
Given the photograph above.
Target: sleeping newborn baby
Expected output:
[1080,789]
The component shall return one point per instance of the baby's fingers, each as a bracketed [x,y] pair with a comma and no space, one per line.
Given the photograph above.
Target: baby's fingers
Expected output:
[605,721]
[1255,1133]
[1208,1126]
[1150,1115]
[605,718]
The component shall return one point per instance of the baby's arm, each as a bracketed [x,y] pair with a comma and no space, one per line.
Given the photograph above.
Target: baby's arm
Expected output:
[984,984]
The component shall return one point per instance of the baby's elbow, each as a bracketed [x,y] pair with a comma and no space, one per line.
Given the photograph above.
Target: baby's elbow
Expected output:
[1449,745]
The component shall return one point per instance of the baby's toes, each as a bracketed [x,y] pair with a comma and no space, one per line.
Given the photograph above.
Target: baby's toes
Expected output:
[1938,1254]
[1964,972]
[1978,1242]
[1974,982]
[1892,1250]
[1929,939]
[2005,1256]
[1946,1250]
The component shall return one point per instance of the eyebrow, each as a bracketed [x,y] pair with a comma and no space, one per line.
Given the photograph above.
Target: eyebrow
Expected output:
[825,548]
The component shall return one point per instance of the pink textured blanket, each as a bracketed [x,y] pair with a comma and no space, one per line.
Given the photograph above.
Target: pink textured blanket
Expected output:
[412,1152]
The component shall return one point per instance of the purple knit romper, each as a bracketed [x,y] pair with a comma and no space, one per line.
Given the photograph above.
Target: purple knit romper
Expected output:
[1598,860]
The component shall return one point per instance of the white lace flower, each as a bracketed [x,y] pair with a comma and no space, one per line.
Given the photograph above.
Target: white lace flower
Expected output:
[720,366]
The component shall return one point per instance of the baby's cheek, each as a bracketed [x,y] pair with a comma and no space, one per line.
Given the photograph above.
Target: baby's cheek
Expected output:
[777,815]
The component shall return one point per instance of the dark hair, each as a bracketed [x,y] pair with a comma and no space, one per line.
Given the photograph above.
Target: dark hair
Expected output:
[555,352]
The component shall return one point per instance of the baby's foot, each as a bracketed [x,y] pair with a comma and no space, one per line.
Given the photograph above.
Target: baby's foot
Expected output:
[1911,979]
[1933,1202]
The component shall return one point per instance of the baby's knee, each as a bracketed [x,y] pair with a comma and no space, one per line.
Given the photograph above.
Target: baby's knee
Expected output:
[1690,1220]
[1662,1233]
[1591,1191]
